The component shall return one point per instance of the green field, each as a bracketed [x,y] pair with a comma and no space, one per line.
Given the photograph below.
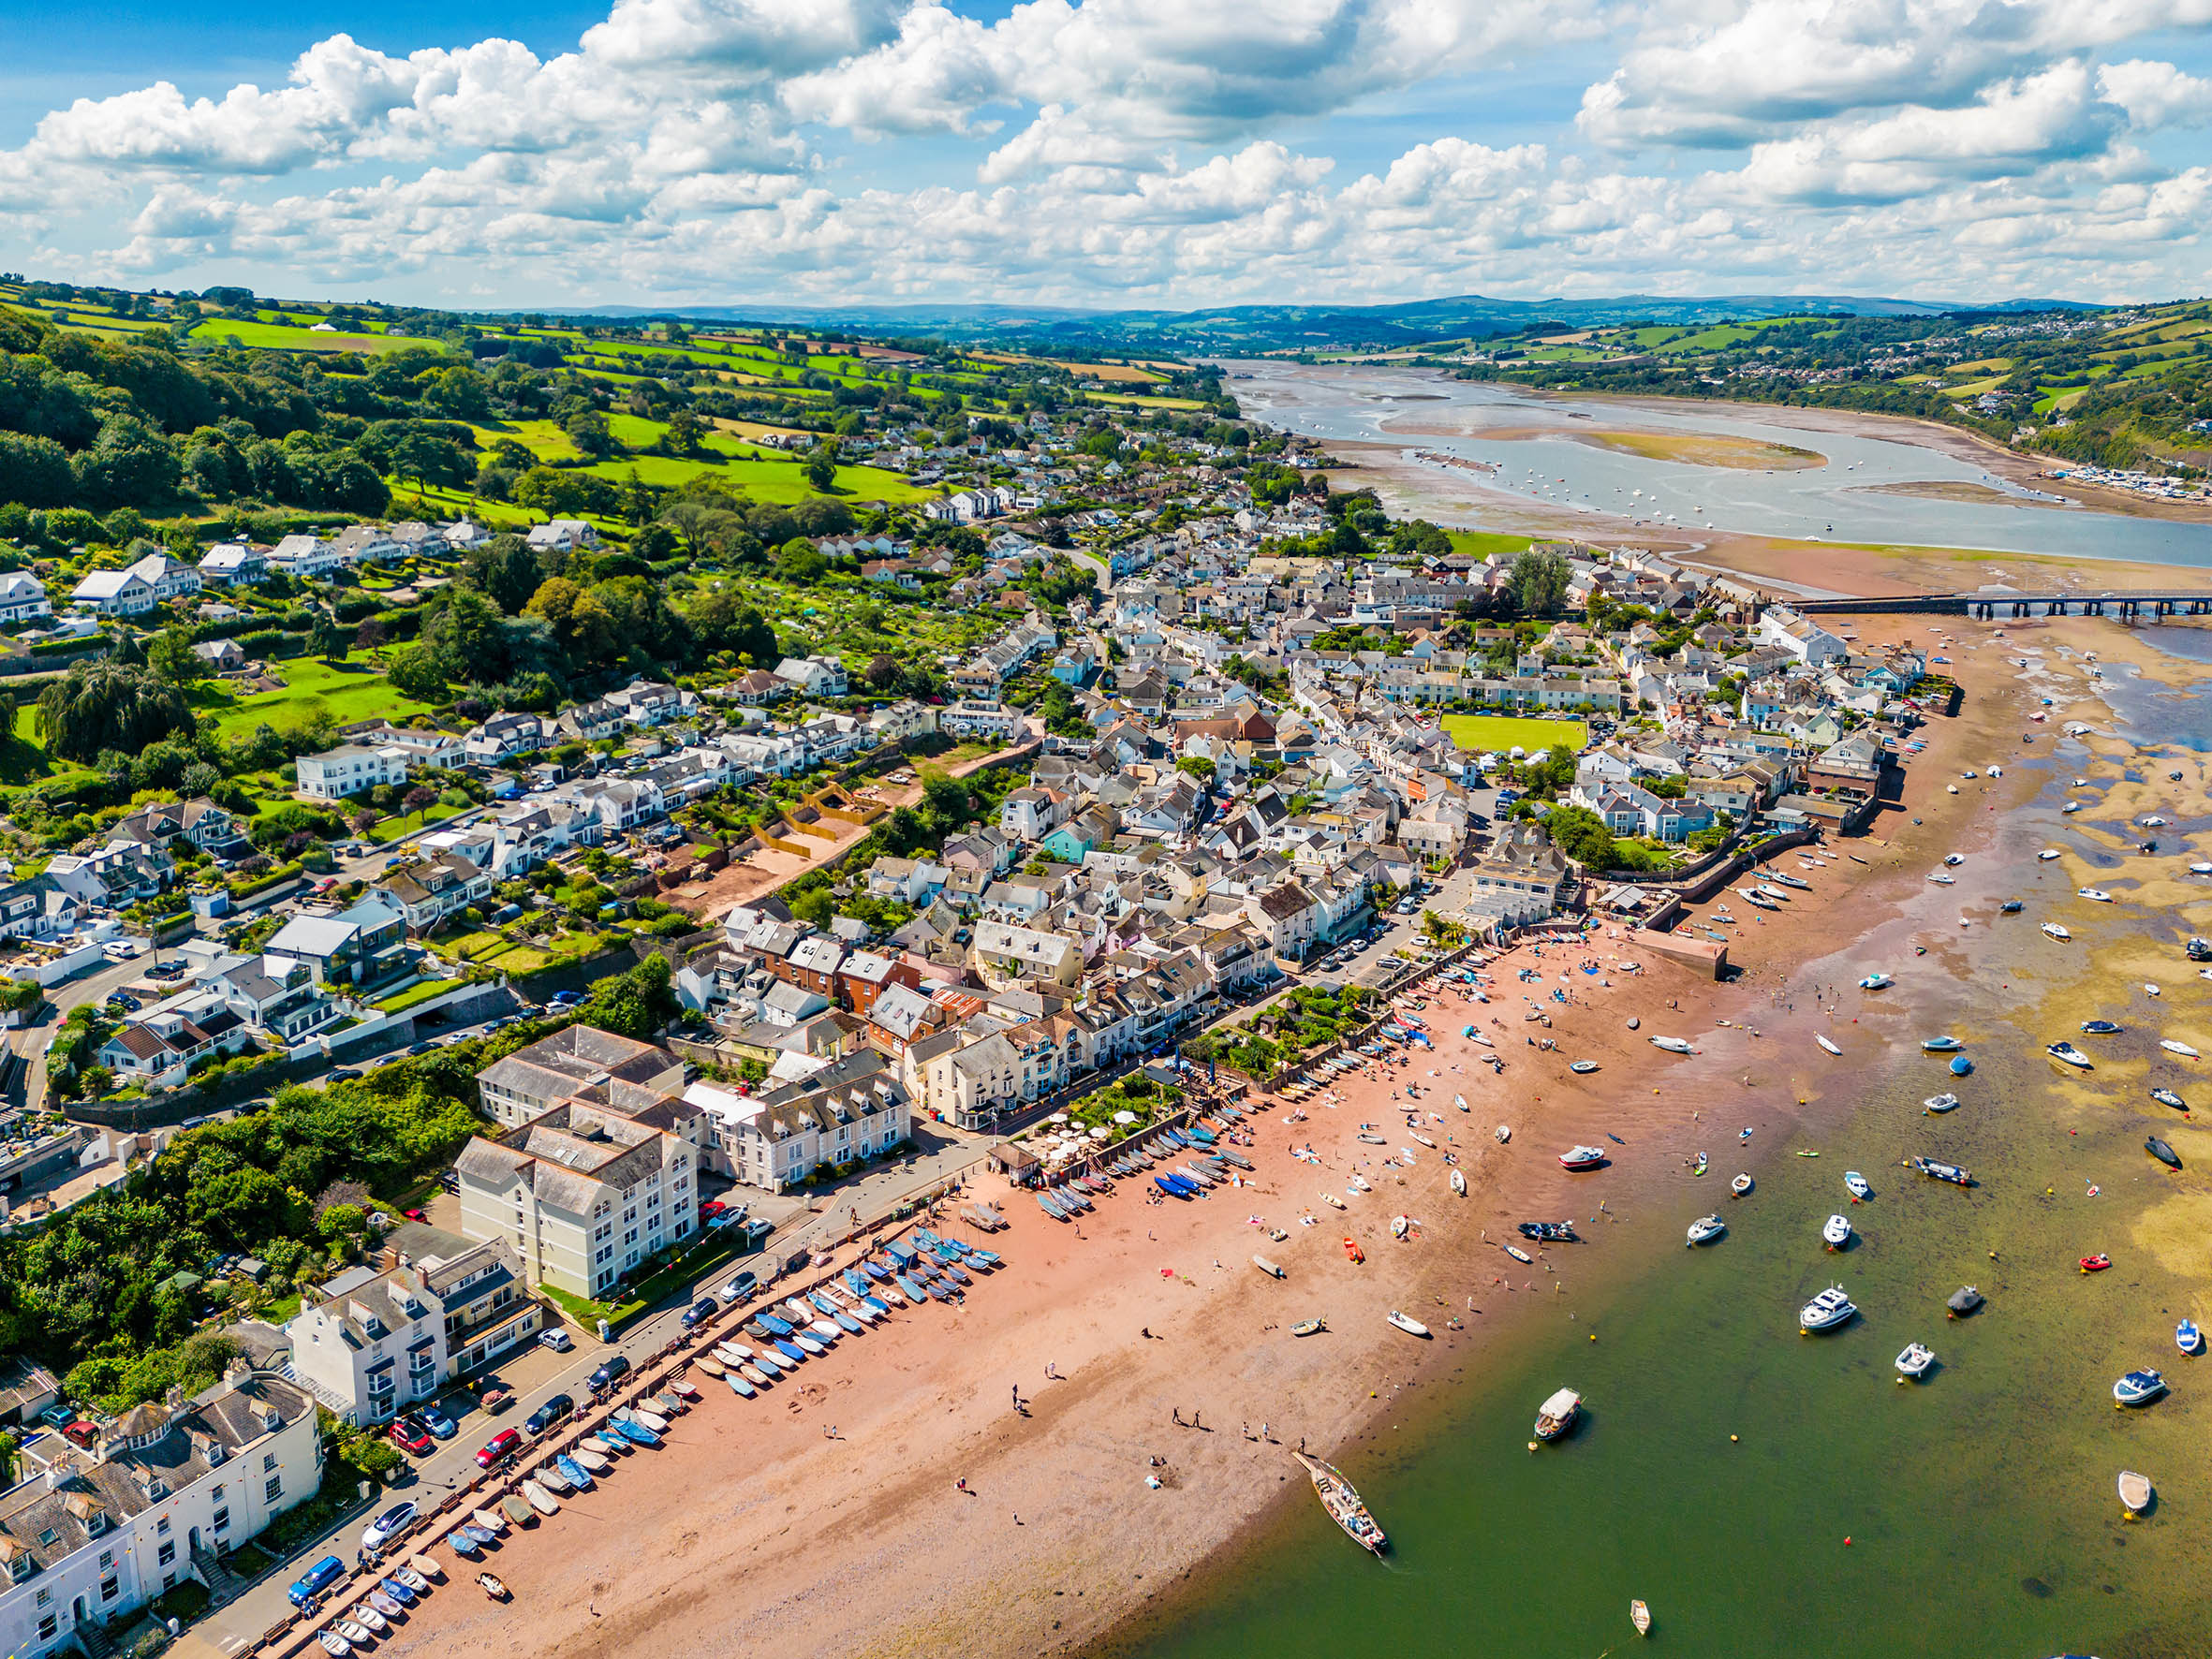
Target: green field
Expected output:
[351,692]
[1482,543]
[1499,734]
[222,329]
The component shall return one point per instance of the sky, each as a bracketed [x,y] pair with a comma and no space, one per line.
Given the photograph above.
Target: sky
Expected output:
[1103,153]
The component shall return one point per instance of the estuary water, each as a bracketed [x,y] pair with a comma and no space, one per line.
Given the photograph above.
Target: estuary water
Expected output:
[1769,1493]
[1539,448]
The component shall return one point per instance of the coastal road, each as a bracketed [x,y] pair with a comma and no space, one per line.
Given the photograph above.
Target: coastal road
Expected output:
[95,987]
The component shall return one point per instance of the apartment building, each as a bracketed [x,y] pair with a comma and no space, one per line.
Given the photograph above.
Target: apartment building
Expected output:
[533,1081]
[348,769]
[850,1110]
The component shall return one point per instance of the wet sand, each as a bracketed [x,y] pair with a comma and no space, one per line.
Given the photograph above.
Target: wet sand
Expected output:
[752,1525]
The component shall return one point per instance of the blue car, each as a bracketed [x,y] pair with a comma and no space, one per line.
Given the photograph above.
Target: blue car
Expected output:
[316,1580]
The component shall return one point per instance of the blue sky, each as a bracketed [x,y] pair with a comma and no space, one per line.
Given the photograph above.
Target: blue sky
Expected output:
[1112,152]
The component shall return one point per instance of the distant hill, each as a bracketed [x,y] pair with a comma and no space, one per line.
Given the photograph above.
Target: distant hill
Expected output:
[1313,327]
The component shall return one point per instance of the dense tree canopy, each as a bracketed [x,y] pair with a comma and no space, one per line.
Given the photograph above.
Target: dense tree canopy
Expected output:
[99,706]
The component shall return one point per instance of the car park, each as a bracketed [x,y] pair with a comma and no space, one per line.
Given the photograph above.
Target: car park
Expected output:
[499,1447]
[556,1410]
[387,1526]
[315,1581]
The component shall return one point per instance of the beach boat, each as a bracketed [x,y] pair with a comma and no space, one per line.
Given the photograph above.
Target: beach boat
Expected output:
[1875,982]
[1518,1253]
[1855,1184]
[2099,1028]
[2134,1492]
[1706,1229]
[394,1591]
[2095,1264]
[2057,931]
[375,1621]
[332,1643]
[2071,806]
[1309,1328]
[1836,1232]
[1789,881]
[1740,1185]
[1939,1103]
[1406,1323]
[1961,1067]
[490,1519]
[1935,1171]
[598,1463]
[2181,1048]
[1582,1157]
[2188,1338]
[1825,1311]
[635,1432]
[2167,1097]
[540,1498]
[1459,1183]
[1373,1140]
[575,1474]
[2010,907]
[554,1481]
[489,1584]
[1769,892]
[1400,1226]
[2138,1388]
[1962,1302]
[1352,1250]
[755,1374]
[2067,1054]
[2161,1151]
[1821,1038]
[1640,1616]
[1425,1140]
[1943,880]
[1940,1045]
[1333,1201]
[1504,1133]
[1267,1266]
[1343,1504]
[1952,861]
[518,1508]
[1915,1361]
[651,1420]
[1673,1044]
[354,1631]
[1556,1416]
[707,1366]
[2094,895]
[1046,1203]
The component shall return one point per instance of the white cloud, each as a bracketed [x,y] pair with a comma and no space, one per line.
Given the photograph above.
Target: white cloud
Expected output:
[2156,94]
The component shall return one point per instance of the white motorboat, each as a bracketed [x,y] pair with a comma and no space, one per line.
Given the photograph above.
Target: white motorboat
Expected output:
[2048,854]
[2138,1388]
[1825,1311]
[2067,1054]
[1940,1045]
[1406,1323]
[1673,1044]
[1459,1182]
[1855,1184]
[1504,1133]
[1941,879]
[1914,1361]
[2094,895]
[1940,1103]
[1875,982]
[1706,1229]
[2181,1048]
[2057,931]
[2134,1492]
[1954,860]
[1740,1185]
[1821,1039]
[1836,1232]
[1556,1416]
[2199,867]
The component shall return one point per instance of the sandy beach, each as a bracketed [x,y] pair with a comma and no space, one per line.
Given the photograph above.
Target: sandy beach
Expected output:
[753,1519]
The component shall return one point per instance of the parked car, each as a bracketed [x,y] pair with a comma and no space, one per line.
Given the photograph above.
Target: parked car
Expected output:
[495,1450]
[315,1581]
[119,951]
[387,1526]
[437,1421]
[556,1338]
[706,1307]
[741,1288]
[553,1411]
[611,1370]
[411,1435]
[57,1416]
[711,1208]
[414,1215]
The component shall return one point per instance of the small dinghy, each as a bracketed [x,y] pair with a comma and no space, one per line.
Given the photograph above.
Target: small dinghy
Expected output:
[2167,1097]
[1518,1253]
[1556,1416]
[1309,1328]
[1914,1361]
[1673,1044]
[540,1498]
[490,1519]
[2161,1151]
[1504,1133]
[1875,982]
[1459,1183]
[2067,1054]
[2049,853]
[2188,1338]
[1855,1184]
[1836,1232]
[2134,1492]
[1640,1616]
[2094,895]
[1939,1103]
[1940,1045]
[2181,1048]
[518,1508]
[489,1584]
[1961,1067]
[1962,1302]
[1740,1185]
[1352,1250]
[2095,1264]
[2010,907]
[1825,1311]
[1706,1229]
[1821,1038]
[1581,1068]
[2138,1388]
[1406,1323]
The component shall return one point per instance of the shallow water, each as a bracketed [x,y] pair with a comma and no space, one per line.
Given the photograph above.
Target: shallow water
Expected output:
[1840,501]
[1979,1506]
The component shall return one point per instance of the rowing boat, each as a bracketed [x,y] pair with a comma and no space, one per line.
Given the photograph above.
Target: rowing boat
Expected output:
[1342,1501]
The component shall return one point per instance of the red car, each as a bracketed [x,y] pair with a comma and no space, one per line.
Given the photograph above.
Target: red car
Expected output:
[414,1215]
[412,1436]
[711,1209]
[498,1448]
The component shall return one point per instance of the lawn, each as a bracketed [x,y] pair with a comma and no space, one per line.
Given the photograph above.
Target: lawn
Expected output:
[351,692]
[1499,733]
[24,760]
[762,479]
[399,1002]
[1481,543]
[223,331]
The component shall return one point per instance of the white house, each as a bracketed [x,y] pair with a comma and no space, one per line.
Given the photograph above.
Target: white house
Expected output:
[349,768]
[563,535]
[114,593]
[305,556]
[817,676]
[23,596]
[1800,636]
[232,561]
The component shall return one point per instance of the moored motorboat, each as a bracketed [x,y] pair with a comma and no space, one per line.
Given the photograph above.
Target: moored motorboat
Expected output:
[1962,1302]
[1740,1185]
[1875,982]
[1640,1616]
[1836,1232]
[2134,1492]
[2057,931]
[1934,1170]
[1855,1184]
[1582,1157]
[1673,1044]
[1706,1229]
[1914,1361]
[2094,895]
[1343,1504]
[1940,1045]
[1961,1067]
[2067,1054]
[2161,1151]
[2010,907]
[1550,1231]
[1406,1323]
[2049,853]
[2100,1027]
[2167,1097]
[1939,1103]
[1556,1416]
[2188,1338]
[2183,1050]
[2138,1388]
[1825,1311]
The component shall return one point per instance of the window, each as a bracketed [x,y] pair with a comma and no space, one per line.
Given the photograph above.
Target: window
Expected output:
[222,1518]
[107,1559]
[46,1598]
[110,1587]
[169,1553]
[161,1527]
[273,1489]
[269,1458]
[604,1253]
[630,1237]
[48,1625]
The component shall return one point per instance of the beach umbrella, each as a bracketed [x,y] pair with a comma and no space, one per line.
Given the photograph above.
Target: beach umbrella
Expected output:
[1125,1117]
[1100,1132]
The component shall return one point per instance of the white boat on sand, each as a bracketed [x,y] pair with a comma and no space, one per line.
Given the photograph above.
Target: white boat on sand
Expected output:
[1836,1232]
[1825,1311]
[1406,1323]
[1706,1229]
[1914,1361]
